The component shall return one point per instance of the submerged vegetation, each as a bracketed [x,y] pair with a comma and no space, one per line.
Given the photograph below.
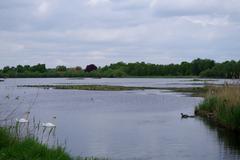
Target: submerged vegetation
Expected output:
[196,68]
[222,105]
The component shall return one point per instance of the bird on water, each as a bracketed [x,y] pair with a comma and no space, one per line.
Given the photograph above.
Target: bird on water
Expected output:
[49,124]
[186,116]
[24,119]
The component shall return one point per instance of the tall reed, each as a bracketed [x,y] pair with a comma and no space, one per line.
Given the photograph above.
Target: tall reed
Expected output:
[222,104]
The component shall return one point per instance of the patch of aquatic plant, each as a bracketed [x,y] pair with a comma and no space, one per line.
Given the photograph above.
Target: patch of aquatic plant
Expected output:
[222,104]
[193,91]
[201,80]
[90,87]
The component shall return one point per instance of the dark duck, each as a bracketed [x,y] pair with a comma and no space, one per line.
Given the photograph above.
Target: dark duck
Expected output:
[186,116]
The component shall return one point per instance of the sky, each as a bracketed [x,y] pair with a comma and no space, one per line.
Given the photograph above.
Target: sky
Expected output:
[81,32]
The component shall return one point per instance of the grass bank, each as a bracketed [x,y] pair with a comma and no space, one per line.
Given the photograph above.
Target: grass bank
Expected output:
[222,105]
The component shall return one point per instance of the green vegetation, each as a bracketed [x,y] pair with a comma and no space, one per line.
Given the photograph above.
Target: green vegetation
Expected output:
[194,91]
[196,68]
[12,148]
[15,148]
[201,80]
[90,87]
[222,105]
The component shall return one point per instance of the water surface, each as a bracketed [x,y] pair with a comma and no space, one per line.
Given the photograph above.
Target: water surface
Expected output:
[124,124]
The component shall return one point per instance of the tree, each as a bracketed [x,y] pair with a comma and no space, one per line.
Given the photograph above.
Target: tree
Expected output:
[90,68]
[6,69]
[20,69]
[61,68]
[27,67]
[199,65]
[78,68]
[39,68]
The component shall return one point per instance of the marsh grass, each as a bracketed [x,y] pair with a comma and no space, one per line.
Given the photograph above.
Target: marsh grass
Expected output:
[194,91]
[89,87]
[222,104]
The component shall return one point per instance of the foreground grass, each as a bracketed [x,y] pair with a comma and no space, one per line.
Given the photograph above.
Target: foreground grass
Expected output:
[12,148]
[222,105]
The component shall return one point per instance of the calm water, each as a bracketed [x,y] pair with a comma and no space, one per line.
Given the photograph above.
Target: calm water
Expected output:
[125,125]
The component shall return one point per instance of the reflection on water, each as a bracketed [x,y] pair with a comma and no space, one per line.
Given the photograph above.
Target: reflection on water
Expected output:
[229,140]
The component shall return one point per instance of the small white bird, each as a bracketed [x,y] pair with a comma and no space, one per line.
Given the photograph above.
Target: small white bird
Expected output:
[49,124]
[25,119]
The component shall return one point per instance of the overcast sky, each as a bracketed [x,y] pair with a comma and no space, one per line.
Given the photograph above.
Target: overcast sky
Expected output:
[79,32]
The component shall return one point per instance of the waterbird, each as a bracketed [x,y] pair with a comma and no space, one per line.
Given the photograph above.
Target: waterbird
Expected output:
[186,116]
[49,124]
[24,119]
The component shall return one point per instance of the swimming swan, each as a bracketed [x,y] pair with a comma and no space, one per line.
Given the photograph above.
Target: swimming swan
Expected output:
[49,124]
[25,119]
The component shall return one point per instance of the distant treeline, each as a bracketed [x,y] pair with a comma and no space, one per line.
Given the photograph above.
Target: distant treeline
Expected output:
[198,67]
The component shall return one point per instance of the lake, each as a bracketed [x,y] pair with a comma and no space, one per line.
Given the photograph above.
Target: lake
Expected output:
[123,125]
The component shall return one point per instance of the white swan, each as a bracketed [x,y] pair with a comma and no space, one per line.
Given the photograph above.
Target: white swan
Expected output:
[49,124]
[25,119]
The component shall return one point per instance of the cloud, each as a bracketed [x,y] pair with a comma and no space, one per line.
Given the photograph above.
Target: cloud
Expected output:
[194,7]
[93,3]
[105,31]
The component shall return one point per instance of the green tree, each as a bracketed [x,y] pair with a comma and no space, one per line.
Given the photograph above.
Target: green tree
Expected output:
[61,68]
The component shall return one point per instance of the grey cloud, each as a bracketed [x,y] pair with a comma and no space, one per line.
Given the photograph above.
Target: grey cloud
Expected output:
[77,33]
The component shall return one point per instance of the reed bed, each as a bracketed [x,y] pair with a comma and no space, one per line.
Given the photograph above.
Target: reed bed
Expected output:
[222,105]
